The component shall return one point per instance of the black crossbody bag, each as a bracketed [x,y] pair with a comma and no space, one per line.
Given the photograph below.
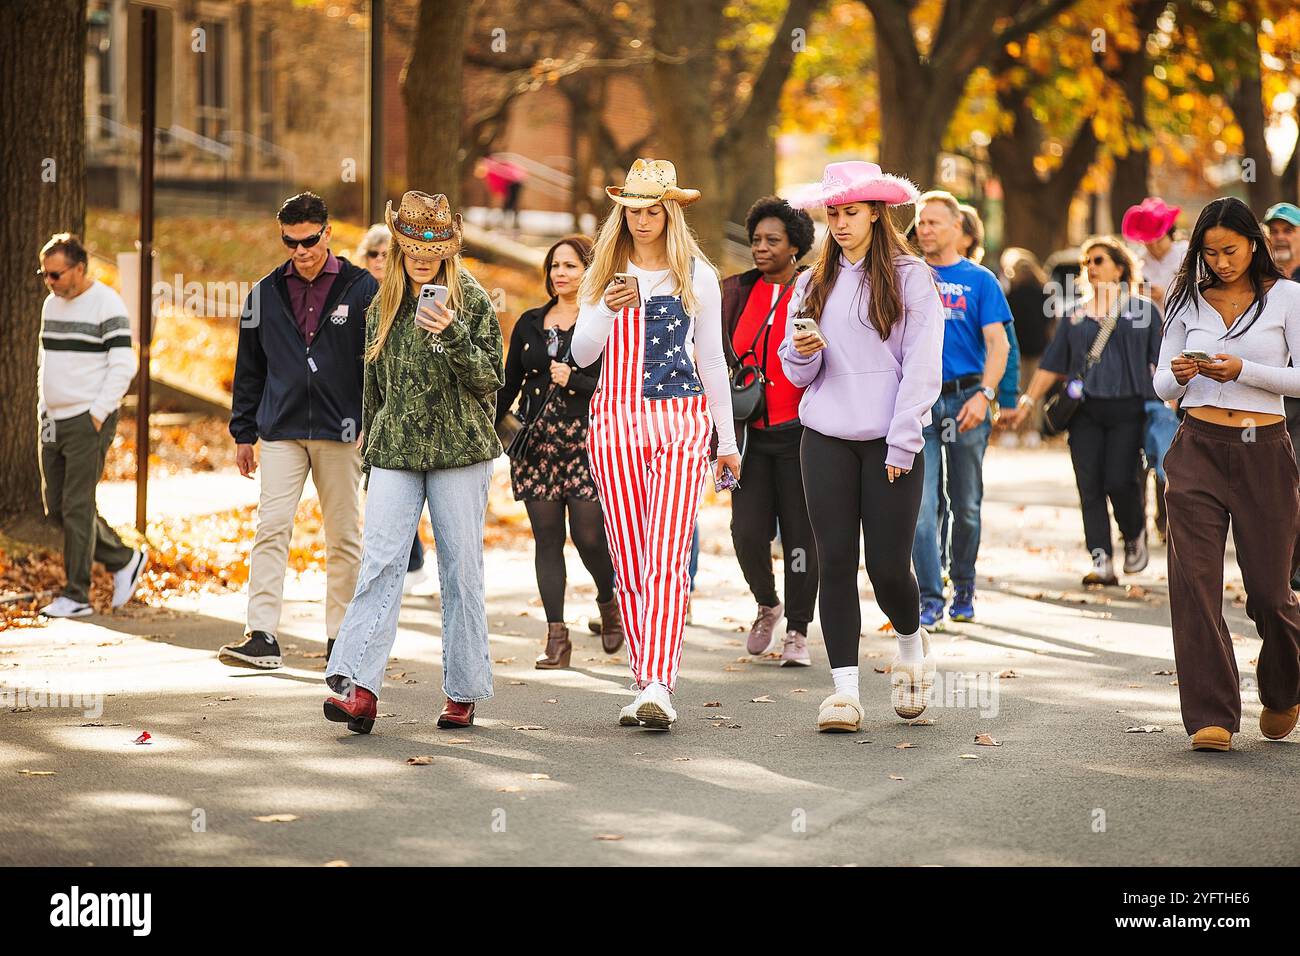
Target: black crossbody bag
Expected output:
[517,449]
[748,383]
[1060,408]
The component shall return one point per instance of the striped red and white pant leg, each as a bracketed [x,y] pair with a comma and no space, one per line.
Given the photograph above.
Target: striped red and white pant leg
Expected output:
[616,449]
[679,430]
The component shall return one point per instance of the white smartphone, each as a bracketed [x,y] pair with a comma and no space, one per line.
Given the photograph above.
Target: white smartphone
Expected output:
[1197,355]
[431,293]
[805,324]
[627,278]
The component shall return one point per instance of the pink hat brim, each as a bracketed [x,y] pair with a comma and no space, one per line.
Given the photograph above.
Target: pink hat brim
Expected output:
[1138,226]
[889,189]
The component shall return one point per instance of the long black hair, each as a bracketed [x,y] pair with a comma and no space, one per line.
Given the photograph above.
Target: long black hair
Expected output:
[1233,214]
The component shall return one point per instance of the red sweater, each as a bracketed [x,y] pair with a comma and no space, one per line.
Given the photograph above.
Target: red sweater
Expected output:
[782,397]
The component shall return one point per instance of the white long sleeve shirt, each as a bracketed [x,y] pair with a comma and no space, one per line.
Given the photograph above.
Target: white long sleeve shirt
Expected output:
[704,339]
[85,363]
[1271,342]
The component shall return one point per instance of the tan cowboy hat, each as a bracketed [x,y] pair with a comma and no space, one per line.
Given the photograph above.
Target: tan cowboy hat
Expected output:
[649,181]
[424,226]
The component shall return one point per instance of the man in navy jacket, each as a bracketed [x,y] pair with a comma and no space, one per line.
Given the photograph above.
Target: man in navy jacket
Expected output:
[298,391]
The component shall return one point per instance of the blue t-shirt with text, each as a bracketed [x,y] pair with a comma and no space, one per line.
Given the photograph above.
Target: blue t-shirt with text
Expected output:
[972,299]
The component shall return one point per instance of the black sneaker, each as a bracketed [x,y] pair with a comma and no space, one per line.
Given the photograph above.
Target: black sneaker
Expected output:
[259,649]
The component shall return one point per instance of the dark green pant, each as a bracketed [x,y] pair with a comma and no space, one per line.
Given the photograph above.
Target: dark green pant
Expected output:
[72,461]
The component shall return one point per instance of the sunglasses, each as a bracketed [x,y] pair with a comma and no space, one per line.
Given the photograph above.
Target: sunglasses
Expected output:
[52,276]
[1095,261]
[374,253]
[305,243]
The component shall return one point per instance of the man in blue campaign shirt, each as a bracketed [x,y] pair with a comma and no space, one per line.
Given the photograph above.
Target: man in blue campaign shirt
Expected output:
[975,350]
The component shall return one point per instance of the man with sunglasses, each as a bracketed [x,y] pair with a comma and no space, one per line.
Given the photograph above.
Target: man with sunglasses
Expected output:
[85,365]
[297,390]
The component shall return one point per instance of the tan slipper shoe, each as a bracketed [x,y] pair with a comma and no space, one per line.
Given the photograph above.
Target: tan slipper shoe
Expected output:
[1212,738]
[1276,724]
[912,684]
[839,713]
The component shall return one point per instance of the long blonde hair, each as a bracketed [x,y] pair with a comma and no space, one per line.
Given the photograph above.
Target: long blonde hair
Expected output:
[395,287]
[614,247]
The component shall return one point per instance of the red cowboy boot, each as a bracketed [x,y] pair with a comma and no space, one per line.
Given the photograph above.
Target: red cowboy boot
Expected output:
[456,714]
[357,709]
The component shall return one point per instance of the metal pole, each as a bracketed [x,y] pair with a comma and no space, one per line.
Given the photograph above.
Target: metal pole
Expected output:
[375,184]
[148,105]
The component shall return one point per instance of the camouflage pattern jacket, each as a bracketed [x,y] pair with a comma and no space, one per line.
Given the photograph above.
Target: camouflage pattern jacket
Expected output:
[428,400]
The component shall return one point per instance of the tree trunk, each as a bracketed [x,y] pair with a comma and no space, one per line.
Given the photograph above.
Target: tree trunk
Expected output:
[1133,171]
[682,97]
[431,90]
[42,180]
[1262,186]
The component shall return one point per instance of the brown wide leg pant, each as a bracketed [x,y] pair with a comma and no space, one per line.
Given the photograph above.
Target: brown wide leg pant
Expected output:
[1249,476]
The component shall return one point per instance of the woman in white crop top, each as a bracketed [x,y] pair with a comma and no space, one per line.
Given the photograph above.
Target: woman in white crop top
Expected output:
[1231,332]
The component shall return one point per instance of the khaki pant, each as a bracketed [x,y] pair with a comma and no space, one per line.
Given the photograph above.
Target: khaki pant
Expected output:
[1218,476]
[72,461]
[335,468]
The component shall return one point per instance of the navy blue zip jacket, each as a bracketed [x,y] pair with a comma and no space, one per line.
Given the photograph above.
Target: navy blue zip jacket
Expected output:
[286,389]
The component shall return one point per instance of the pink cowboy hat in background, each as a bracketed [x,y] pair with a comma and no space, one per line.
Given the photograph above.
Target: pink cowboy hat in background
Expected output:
[853,181]
[1149,220]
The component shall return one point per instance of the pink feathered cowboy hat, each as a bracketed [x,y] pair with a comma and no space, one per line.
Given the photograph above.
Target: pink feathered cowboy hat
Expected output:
[1149,220]
[854,181]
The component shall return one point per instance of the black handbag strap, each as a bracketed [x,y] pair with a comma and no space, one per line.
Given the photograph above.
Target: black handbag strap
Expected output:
[550,392]
[764,324]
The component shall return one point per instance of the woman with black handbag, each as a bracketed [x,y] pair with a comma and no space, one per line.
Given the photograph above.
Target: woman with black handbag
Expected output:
[1106,352]
[766,406]
[549,468]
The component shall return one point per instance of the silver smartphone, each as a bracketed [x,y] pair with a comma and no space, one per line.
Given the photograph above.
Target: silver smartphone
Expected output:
[805,324]
[1197,355]
[431,293]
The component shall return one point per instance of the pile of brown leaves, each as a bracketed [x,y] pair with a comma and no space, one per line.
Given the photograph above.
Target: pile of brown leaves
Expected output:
[201,445]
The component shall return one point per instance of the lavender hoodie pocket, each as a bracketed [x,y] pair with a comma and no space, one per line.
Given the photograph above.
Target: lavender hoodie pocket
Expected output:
[854,405]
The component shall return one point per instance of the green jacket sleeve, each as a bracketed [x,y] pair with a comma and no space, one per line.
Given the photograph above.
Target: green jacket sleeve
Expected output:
[473,343]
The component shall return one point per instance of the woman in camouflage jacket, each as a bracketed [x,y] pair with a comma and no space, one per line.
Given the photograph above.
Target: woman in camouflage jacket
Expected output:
[431,376]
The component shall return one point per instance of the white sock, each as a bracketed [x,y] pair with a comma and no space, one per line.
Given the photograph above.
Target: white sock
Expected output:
[910,650]
[846,681]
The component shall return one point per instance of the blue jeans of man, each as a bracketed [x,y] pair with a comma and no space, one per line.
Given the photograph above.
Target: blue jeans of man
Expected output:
[457,500]
[962,472]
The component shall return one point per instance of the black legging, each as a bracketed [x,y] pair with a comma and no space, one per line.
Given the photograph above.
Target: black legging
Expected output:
[773,490]
[587,526]
[1105,444]
[848,490]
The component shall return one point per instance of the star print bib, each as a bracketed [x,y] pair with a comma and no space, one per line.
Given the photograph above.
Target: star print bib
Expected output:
[667,370]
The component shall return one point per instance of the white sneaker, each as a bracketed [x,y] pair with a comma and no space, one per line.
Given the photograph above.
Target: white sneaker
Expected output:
[654,708]
[125,580]
[627,716]
[415,579]
[66,607]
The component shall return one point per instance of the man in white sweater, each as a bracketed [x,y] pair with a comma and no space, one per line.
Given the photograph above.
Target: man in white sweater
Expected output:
[85,367]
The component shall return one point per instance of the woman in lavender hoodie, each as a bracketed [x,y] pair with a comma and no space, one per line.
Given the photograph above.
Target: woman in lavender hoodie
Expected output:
[871,371]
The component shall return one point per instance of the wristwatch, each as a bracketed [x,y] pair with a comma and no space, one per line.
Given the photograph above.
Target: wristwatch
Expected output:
[989,393]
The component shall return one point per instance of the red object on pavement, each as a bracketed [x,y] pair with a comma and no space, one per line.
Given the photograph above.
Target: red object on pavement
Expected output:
[144,738]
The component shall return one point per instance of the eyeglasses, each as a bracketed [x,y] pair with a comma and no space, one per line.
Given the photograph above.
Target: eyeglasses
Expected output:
[52,276]
[305,243]
[1095,261]
[374,253]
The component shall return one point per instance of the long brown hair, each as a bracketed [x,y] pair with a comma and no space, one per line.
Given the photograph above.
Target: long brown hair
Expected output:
[885,248]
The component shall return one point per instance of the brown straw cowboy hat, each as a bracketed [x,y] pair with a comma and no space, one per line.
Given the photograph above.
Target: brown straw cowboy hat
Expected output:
[650,181]
[424,226]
